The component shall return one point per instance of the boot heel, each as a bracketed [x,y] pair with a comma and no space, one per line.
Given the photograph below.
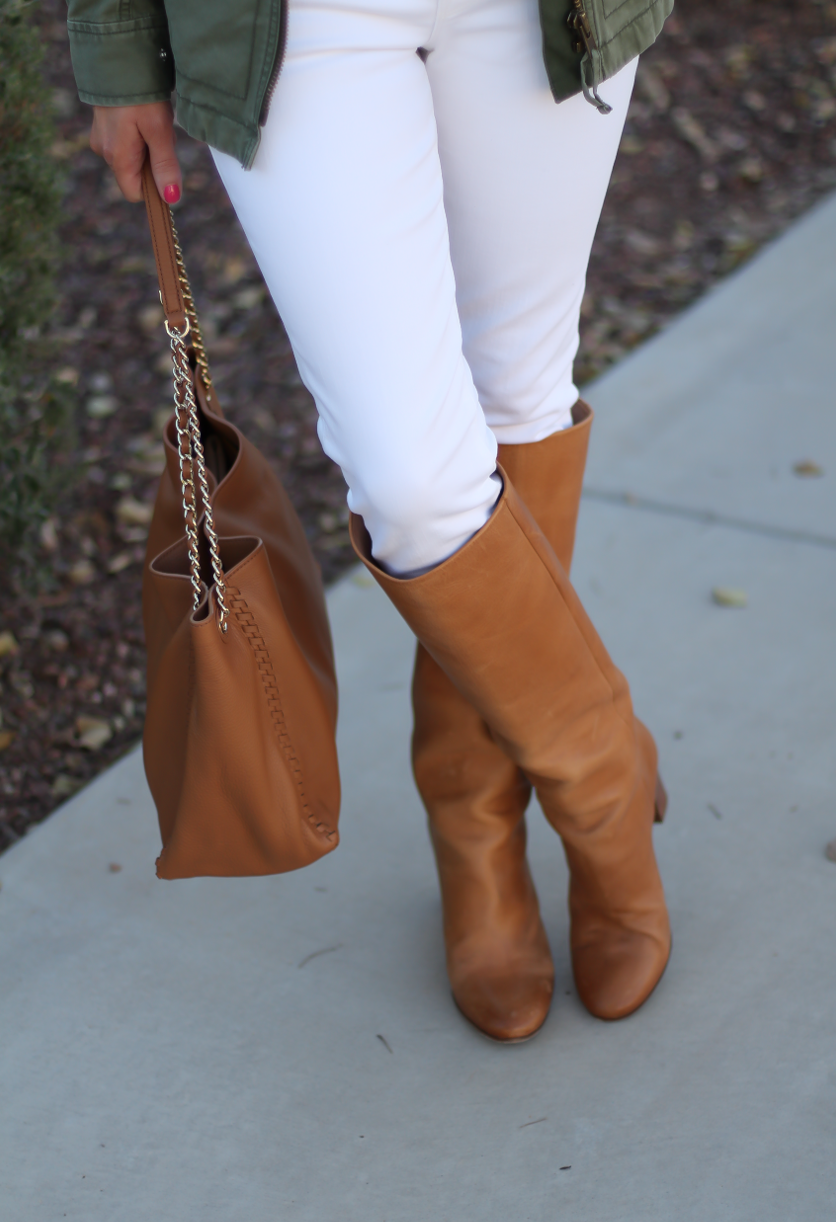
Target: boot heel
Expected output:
[661,801]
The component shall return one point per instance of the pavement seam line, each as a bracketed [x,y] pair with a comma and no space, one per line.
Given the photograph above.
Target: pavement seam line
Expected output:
[708,517]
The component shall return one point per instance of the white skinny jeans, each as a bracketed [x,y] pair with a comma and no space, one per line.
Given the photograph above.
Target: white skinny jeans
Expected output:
[424,228]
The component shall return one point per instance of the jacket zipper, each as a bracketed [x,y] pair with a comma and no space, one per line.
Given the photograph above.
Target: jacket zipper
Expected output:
[277,65]
[584,44]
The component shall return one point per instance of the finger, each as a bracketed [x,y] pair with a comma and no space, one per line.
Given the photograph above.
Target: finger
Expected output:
[126,161]
[96,139]
[114,136]
[164,164]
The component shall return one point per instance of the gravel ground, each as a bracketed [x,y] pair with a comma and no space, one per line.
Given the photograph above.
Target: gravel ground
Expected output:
[731,135]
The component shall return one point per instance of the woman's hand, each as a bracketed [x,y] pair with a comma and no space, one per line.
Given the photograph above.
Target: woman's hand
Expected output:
[120,134]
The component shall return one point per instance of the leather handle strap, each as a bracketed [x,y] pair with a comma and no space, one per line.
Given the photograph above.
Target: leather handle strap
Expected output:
[162,238]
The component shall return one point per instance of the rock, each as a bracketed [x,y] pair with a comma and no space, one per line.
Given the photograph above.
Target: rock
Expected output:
[83,572]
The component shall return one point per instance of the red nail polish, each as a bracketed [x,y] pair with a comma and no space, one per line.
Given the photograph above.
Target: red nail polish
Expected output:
[172,193]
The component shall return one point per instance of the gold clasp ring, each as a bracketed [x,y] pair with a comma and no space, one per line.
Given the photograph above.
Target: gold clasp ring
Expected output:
[173,333]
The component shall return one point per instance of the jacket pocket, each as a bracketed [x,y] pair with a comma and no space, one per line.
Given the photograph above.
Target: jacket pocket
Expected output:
[213,45]
[625,11]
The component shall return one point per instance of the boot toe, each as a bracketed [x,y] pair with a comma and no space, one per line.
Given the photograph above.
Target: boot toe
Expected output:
[615,976]
[506,1007]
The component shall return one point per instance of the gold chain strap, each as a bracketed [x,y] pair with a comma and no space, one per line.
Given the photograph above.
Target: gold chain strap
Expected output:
[191,313]
[190,446]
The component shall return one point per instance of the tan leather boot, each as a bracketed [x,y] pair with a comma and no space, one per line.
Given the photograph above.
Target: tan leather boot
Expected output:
[498,959]
[502,620]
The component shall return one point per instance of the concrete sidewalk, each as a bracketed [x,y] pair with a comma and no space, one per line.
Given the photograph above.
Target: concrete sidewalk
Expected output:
[286,1048]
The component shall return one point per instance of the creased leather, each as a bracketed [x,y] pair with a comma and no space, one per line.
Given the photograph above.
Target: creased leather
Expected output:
[501,618]
[498,958]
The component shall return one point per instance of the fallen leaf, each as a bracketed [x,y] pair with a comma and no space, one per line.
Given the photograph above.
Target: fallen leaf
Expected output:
[693,133]
[830,851]
[100,406]
[8,644]
[808,469]
[725,596]
[56,640]
[150,462]
[7,737]
[119,562]
[65,786]
[248,298]
[92,733]
[114,867]
[234,270]
[642,243]
[49,535]
[738,58]
[730,139]
[651,85]
[150,317]
[825,49]
[752,169]
[133,512]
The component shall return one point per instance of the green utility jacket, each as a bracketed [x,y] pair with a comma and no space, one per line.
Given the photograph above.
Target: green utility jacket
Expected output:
[225,55]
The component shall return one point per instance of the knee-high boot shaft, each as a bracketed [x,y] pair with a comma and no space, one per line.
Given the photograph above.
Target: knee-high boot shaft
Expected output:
[498,959]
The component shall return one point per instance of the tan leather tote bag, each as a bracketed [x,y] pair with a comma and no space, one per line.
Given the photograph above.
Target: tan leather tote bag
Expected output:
[239,743]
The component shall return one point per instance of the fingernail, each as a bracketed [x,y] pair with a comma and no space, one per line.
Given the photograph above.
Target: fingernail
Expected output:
[171,193]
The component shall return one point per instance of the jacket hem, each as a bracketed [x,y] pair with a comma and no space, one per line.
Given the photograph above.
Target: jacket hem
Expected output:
[127,99]
[218,130]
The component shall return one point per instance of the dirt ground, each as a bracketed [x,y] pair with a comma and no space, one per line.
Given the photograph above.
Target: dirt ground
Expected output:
[731,135]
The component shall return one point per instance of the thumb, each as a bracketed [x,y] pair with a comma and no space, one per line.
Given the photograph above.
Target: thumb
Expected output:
[164,164]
